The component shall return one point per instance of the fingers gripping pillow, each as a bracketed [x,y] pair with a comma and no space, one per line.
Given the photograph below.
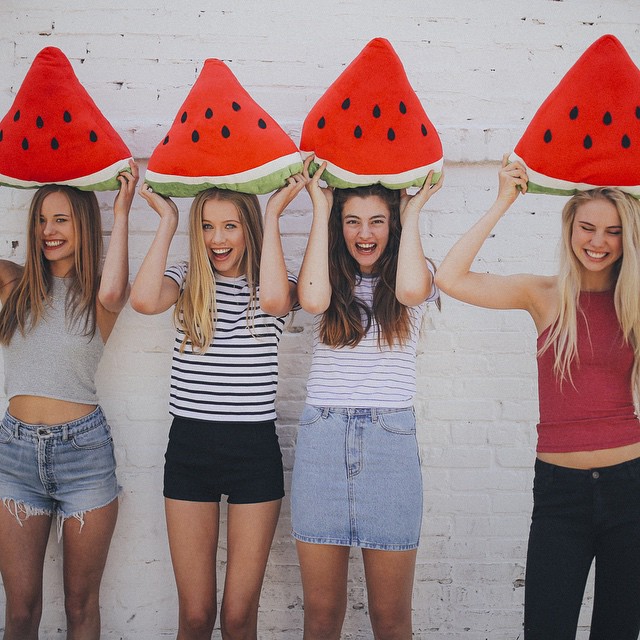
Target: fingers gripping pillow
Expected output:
[222,138]
[369,126]
[586,134]
[55,134]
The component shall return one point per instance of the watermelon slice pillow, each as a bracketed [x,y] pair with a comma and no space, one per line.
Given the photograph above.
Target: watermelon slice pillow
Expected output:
[586,134]
[55,134]
[222,138]
[369,126]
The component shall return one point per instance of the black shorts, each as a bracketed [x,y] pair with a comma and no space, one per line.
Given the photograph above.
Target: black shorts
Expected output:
[205,460]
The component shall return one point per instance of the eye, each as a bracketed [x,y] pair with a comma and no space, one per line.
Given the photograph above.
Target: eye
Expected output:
[585,228]
[206,226]
[615,233]
[231,225]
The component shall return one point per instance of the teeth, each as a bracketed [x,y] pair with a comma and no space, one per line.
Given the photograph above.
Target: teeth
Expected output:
[220,252]
[365,245]
[53,243]
[596,255]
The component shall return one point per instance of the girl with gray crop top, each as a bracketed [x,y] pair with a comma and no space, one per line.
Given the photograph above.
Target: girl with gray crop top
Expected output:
[56,452]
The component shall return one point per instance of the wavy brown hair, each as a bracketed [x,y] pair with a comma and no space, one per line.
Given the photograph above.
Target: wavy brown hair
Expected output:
[26,303]
[195,310]
[347,319]
[564,333]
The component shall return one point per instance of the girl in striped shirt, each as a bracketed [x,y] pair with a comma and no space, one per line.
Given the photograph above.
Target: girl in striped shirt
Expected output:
[231,300]
[356,479]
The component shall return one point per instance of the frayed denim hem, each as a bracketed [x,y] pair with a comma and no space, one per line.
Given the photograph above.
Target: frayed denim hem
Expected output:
[361,544]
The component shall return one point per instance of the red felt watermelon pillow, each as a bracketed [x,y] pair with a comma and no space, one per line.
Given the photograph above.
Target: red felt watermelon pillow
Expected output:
[586,134]
[369,126]
[55,134]
[222,138]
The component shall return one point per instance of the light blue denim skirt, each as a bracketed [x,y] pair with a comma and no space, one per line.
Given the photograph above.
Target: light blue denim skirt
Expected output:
[357,479]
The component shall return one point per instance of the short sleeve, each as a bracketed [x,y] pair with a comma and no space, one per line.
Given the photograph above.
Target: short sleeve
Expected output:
[177,273]
[434,296]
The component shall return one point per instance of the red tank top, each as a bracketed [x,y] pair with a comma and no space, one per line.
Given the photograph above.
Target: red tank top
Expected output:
[596,411]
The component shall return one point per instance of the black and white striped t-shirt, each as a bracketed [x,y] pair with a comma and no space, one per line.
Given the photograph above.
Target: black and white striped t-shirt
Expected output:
[366,375]
[236,379]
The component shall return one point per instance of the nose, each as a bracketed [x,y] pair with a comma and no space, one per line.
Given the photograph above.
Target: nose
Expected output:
[598,238]
[47,228]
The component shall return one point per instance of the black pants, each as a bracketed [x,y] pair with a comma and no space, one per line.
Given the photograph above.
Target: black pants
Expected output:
[579,515]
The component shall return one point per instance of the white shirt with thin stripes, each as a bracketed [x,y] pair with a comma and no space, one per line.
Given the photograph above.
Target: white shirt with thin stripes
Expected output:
[366,375]
[235,380]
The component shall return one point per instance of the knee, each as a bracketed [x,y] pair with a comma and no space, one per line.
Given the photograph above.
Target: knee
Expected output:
[23,620]
[391,623]
[80,607]
[322,623]
[238,622]
[198,621]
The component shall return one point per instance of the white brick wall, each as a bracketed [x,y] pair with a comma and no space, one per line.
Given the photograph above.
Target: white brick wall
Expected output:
[481,69]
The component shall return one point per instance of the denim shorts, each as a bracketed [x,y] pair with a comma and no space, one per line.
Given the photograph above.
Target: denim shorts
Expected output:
[206,460]
[63,470]
[357,479]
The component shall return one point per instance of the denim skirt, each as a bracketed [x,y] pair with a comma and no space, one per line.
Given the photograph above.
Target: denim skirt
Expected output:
[357,479]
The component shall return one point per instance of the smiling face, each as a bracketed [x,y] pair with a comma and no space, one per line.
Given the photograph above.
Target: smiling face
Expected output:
[596,240]
[223,235]
[365,226]
[57,233]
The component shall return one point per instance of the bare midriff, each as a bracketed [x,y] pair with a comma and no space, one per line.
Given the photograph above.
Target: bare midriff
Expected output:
[592,459]
[49,411]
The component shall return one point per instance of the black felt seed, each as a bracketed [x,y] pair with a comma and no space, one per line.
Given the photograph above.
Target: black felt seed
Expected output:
[391,134]
[166,140]
[587,142]
[39,122]
[321,123]
[607,118]
[573,114]
[423,129]
[402,107]
[346,103]
[1,134]
[25,144]
[54,144]
[357,132]
[262,124]
[195,136]
[235,106]
[225,132]
[93,136]
[16,116]
[376,111]
[638,113]
[183,117]
[66,116]
[547,136]
[208,114]
[626,141]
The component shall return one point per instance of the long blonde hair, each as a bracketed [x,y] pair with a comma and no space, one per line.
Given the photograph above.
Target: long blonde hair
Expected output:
[563,334]
[195,310]
[25,304]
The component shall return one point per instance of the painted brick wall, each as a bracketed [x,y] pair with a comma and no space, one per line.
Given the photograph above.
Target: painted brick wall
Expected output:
[481,69]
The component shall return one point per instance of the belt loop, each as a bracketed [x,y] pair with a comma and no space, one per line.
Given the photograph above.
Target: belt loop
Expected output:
[16,429]
[374,415]
[65,432]
[325,412]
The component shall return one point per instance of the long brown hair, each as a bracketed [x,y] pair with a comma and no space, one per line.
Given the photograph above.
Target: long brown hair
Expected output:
[564,334]
[26,303]
[195,310]
[347,319]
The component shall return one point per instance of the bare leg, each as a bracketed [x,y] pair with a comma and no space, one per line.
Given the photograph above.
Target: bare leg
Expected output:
[85,556]
[389,577]
[250,530]
[22,551]
[193,541]
[324,570]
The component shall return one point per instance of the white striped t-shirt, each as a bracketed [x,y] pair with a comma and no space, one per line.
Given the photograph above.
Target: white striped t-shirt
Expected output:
[366,375]
[236,379]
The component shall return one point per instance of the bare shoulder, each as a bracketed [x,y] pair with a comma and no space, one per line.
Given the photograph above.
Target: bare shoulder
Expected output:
[10,273]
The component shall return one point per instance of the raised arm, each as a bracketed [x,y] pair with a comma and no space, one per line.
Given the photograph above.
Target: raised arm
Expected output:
[152,291]
[314,287]
[277,294]
[454,275]
[413,279]
[114,283]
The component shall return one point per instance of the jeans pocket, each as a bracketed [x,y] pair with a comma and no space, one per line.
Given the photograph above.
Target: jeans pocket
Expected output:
[310,415]
[6,434]
[95,438]
[401,422]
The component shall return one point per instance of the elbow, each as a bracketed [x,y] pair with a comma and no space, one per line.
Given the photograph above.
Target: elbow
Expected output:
[141,304]
[314,307]
[114,301]
[444,282]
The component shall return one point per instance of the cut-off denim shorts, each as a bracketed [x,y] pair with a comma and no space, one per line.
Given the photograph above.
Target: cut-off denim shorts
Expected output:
[63,470]
[357,479]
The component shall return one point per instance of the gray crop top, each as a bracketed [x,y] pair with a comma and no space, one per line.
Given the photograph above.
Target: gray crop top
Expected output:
[54,360]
